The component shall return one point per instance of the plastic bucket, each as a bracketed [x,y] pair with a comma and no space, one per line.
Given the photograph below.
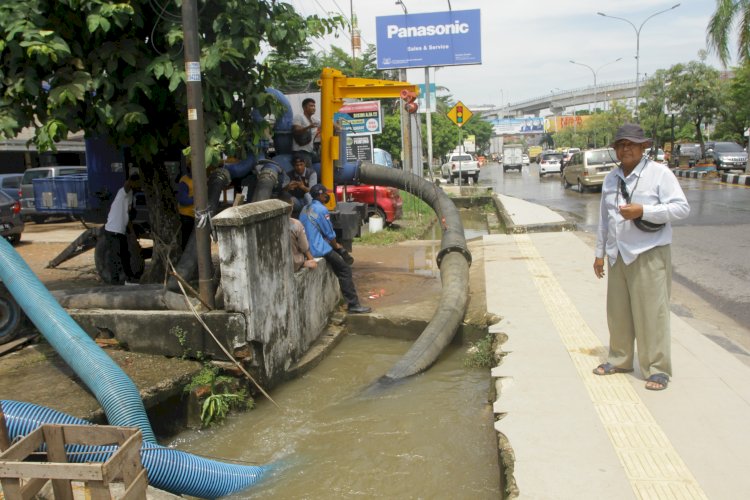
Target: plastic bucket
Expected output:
[375,224]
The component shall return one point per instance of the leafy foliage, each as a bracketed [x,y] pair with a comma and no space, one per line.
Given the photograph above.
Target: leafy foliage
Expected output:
[220,400]
[481,354]
[722,25]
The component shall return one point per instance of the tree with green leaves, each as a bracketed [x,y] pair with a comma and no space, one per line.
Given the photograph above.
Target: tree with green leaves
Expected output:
[728,16]
[695,92]
[116,70]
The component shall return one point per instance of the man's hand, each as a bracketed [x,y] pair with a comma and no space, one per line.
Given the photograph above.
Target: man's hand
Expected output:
[631,211]
[599,267]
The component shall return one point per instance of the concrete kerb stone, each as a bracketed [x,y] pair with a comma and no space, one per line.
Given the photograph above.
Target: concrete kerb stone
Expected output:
[739,179]
[512,228]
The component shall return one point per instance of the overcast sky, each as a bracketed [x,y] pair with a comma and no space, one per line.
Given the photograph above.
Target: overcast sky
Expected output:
[527,45]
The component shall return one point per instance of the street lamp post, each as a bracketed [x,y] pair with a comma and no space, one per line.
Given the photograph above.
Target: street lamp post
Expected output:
[638,49]
[595,72]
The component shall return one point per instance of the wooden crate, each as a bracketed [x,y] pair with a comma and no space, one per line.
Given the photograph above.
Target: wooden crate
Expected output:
[22,479]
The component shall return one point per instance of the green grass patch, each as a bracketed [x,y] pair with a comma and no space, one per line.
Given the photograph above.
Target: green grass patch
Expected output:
[417,218]
[481,354]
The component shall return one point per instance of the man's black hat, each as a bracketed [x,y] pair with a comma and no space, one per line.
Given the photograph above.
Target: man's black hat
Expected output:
[631,132]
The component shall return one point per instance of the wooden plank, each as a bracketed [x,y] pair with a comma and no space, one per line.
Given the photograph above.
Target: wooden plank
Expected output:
[25,447]
[11,488]
[137,489]
[50,470]
[9,346]
[97,435]
[126,463]
[55,439]
[32,487]
[99,490]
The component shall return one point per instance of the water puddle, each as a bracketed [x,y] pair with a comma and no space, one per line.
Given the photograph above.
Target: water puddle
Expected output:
[429,437]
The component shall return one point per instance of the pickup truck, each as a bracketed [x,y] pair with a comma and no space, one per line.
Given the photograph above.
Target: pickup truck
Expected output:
[460,164]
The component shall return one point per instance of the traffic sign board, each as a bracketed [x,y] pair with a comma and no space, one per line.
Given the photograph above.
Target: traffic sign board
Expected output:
[460,114]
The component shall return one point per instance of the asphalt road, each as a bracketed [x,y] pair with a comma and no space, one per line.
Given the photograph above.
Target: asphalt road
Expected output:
[710,250]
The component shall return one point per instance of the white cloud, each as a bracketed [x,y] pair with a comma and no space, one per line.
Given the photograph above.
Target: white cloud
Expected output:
[527,46]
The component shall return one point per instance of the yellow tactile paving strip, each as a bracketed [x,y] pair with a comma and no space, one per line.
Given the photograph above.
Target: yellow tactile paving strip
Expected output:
[652,465]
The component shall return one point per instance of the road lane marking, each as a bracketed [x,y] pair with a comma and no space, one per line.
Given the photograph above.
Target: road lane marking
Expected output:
[653,467]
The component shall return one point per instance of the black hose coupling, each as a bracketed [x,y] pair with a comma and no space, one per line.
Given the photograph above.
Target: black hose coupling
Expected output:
[455,248]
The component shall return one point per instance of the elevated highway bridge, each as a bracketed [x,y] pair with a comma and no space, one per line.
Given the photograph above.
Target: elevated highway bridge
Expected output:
[558,102]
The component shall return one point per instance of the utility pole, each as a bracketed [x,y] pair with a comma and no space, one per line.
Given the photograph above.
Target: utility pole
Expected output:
[197,149]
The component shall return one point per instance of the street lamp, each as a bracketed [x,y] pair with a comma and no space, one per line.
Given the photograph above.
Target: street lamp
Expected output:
[595,72]
[403,6]
[638,49]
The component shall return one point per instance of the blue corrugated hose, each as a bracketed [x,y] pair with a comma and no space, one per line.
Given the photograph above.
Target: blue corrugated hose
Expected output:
[169,470]
[117,394]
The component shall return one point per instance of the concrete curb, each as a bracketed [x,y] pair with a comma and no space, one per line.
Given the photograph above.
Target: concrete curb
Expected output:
[691,174]
[740,179]
[512,228]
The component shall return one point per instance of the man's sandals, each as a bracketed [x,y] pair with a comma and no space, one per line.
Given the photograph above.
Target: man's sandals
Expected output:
[610,369]
[656,382]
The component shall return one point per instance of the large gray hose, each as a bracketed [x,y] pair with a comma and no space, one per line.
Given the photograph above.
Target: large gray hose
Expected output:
[453,260]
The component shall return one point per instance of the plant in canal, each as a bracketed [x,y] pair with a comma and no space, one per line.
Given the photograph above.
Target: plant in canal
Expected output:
[216,391]
[481,354]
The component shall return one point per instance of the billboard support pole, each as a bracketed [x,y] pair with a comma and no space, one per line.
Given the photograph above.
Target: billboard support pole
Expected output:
[428,118]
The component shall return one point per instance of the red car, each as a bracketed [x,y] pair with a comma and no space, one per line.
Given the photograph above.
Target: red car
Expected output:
[385,201]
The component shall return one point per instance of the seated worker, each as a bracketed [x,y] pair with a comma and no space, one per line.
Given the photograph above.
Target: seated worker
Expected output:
[317,222]
[186,206]
[301,179]
[300,247]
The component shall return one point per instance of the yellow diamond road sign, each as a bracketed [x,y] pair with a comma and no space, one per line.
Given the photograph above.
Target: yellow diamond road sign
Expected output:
[460,114]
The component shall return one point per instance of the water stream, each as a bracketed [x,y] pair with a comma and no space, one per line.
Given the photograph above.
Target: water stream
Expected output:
[429,437]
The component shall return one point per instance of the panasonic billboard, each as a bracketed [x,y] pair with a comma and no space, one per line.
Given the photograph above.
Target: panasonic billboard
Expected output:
[433,39]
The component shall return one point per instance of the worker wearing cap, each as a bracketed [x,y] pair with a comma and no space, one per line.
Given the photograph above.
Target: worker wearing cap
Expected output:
[322,238]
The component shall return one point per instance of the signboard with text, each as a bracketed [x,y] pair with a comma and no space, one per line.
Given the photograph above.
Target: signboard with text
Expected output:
[430,39]
[360,117]
[359,147]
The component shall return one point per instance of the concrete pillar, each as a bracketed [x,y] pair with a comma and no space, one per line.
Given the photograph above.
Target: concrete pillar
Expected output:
[286,311]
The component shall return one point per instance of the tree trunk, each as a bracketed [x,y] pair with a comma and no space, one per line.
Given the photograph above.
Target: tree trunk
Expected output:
[164,220]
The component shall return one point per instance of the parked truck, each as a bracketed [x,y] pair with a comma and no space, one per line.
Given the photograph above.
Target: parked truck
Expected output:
[512,157]
[462,164]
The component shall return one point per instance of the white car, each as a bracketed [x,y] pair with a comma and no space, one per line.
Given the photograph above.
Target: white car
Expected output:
[549,163]
[525,159]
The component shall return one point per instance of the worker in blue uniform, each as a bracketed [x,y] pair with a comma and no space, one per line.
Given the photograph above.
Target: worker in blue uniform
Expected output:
[322,238]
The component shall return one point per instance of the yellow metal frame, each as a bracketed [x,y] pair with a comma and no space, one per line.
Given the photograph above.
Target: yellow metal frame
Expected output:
[334,88]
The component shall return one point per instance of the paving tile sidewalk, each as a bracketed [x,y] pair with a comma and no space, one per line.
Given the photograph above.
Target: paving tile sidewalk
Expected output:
[579,436]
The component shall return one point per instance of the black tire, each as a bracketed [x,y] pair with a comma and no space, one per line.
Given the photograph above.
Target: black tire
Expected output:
[581,187]
[11,316]
[38,219]
[476,178]
[14,239]
[565,182]
[541,174]
[373,210]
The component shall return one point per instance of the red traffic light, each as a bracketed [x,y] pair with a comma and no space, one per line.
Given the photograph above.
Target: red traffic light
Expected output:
[409,101]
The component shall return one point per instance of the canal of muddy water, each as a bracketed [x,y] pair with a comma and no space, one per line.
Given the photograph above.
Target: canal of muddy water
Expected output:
[430,436]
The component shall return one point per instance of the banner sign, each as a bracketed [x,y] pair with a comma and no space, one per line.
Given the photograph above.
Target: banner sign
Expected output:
[422,99]
[431,39]
[359,118]
[507,126]
[359,147]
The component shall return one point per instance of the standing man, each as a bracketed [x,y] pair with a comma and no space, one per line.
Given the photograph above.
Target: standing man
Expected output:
[316,219]
[305,128]
[116,231]
[640,198]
